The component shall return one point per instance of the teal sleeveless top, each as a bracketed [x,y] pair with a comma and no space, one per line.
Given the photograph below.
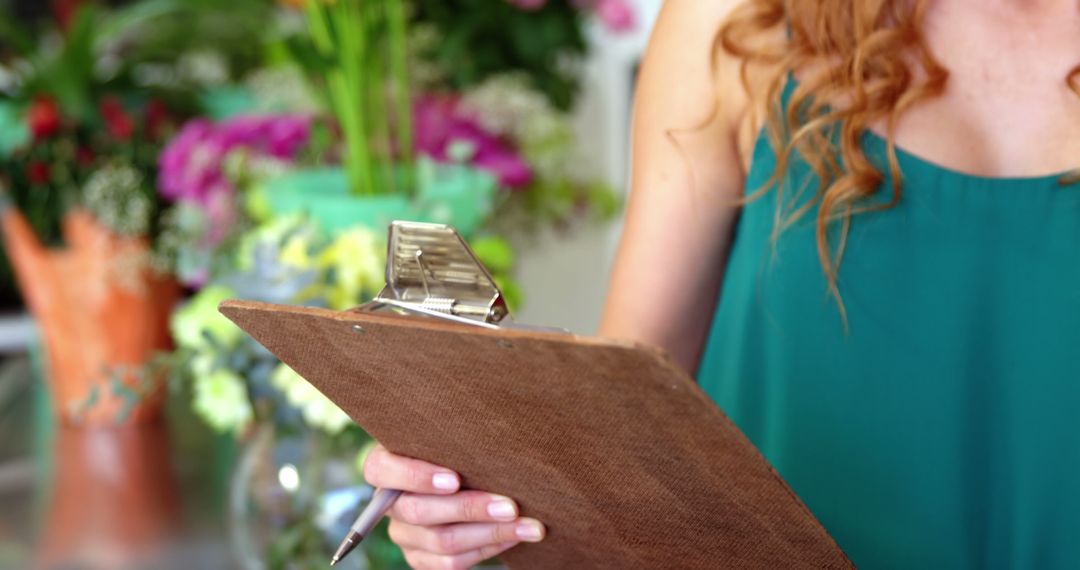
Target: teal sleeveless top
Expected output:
[941,429]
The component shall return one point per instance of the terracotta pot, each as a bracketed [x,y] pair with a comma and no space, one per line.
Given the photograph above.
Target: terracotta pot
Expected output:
[114,501]
[102,313]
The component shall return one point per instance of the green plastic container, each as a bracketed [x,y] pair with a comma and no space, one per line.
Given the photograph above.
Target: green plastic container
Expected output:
[13,131]
[447,194]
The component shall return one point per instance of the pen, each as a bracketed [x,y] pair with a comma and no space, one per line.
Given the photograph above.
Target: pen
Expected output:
[381,502]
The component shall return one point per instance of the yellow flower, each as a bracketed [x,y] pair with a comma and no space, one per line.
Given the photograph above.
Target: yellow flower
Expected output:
[221,399]
[296,251]
[200,318]
[318,410]
[356,260]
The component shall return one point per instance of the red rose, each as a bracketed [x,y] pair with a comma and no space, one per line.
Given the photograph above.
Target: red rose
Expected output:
[84,156]
[117,121]
[37,173]
[43,118]
[157,119]
[65,10]
[121,127]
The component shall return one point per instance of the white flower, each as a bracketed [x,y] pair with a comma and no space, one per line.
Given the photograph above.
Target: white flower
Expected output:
[318,411]
[508,106]
[204,67]
[116,195]
[282,90]
[221,399]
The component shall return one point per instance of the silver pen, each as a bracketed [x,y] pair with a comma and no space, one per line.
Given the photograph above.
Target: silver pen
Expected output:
[381,502]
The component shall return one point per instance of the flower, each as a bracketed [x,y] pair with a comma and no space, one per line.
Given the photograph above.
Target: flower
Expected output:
[221,399]
[119,124]
[446,135]
[507,105]
[199,326]
[84,156]
[205,68]
[191,167]
[37,173]
[43,118]
[282,90]
[318,410]
[275,262]
[617,15]
[181,246]
[157,119]
[529,5]
[355,261]
[115,194]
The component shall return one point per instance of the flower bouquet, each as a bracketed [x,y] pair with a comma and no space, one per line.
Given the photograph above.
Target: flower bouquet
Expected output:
[298,480]
[85,108]
[103,301]
[289,201]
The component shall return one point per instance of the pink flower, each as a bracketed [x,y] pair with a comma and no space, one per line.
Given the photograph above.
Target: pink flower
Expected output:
[529,5]
[191,163]
[617,15]
[191,167]
[441,131]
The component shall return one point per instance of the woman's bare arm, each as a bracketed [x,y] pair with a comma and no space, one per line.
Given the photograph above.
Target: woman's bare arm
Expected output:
[683,196]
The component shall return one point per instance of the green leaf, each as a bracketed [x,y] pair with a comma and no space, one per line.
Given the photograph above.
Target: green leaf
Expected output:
[15,34]
[511,291]
[495,253]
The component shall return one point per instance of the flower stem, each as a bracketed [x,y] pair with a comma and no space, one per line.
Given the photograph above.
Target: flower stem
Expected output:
[399,67]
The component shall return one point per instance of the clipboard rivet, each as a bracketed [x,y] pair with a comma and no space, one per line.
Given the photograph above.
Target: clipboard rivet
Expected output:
[357,329]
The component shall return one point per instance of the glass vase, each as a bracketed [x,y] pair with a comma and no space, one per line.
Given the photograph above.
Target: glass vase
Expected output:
[293,496]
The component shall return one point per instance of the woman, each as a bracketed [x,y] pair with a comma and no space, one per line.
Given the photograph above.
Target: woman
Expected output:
[895,326]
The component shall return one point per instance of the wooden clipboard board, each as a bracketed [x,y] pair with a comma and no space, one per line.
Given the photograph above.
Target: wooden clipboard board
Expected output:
[613,447]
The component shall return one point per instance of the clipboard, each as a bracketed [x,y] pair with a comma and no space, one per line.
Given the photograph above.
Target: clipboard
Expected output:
[610,444]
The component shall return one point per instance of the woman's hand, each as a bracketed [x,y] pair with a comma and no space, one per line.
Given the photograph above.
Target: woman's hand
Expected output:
[439,526]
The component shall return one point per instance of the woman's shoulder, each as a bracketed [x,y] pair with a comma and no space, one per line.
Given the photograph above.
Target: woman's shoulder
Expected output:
[701,84]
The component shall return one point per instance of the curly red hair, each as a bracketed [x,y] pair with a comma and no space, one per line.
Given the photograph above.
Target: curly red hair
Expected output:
[871,56]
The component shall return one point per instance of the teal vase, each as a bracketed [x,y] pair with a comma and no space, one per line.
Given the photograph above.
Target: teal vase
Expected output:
[323,194]
[446,193]
[13,130]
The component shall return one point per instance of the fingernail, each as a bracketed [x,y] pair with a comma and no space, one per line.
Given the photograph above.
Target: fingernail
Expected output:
[445,481]
[530,531]
[502,509]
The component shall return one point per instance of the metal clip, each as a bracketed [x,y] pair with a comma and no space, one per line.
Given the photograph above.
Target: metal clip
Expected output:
[431,270]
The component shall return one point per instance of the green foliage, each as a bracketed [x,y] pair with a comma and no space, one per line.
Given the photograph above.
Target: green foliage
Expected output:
[481,38]
[46,177]
[105,50]
[68,73]
[162,30]
[355,50]
[134,55]
[559,203]
[495,253]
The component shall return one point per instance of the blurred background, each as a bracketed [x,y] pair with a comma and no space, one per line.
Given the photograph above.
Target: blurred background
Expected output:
[159,156]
